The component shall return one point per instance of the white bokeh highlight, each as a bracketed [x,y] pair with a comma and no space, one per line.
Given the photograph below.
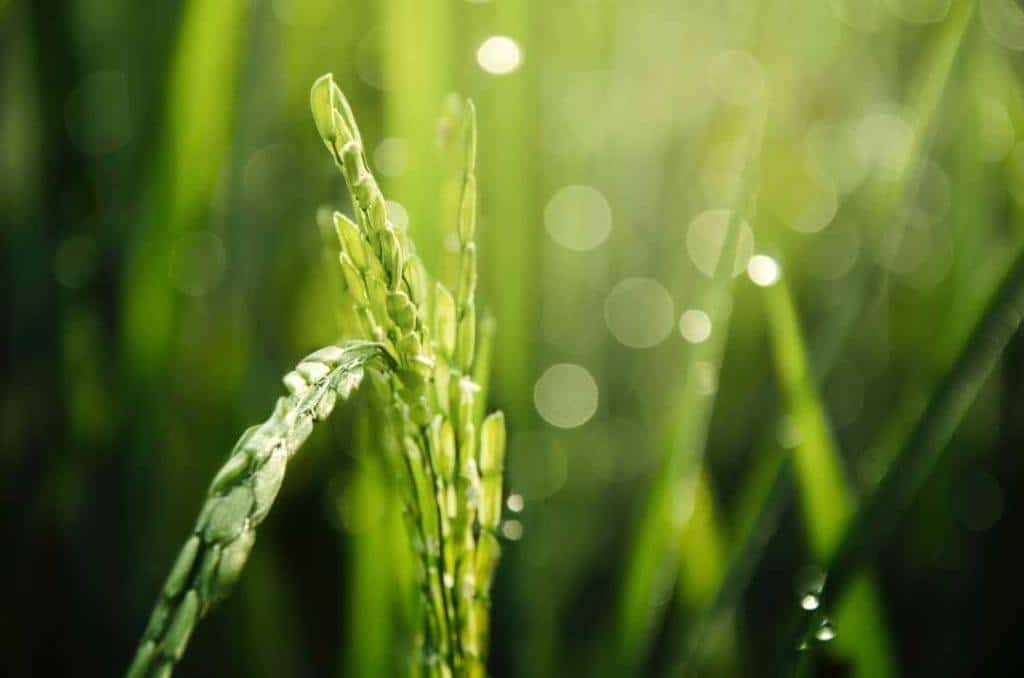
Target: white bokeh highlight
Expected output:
[763,270]
[639,312]
[695,325]
[499,55]
[566,395]
[578,218]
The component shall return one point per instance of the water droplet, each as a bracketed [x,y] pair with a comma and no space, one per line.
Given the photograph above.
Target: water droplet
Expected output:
[810,601]
[825,632]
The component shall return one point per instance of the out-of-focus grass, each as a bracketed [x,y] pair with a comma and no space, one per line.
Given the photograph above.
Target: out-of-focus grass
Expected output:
[198,128]
[197,131]
[371,597]
[509,208]
[824,495]
[418,50]
[880,512]
[654,558]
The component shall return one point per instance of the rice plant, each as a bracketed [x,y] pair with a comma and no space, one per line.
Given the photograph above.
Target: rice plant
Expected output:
[417,347]
[807,460]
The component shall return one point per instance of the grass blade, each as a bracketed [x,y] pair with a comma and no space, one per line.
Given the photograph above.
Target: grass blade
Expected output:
[923,104]
[370,598]
[198,124]
[826,503]
[509,110]
[654,556]
[879,513]
[765,498]
[418,61]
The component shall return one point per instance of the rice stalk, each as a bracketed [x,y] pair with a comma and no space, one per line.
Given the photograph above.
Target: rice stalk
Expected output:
[240,497]
[447,457]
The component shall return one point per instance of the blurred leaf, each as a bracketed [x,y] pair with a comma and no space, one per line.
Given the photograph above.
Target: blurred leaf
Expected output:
[198,128]
[825,500]
[880,512]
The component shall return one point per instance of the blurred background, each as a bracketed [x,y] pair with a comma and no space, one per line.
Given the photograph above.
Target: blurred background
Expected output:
[732,248]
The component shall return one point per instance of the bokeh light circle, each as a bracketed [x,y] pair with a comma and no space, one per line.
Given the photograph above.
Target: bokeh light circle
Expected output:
[639,312]
[566,395]
[578,218]
[695,325]
[763,270]
[705,239]
[499,55]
